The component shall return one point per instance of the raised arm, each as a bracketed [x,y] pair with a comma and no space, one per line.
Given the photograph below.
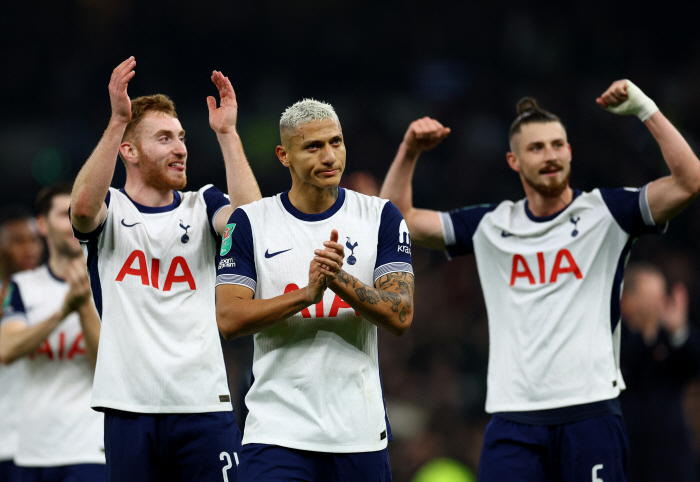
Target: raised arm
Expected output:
[424,225]
[669,195]
[241,183]
[88,209]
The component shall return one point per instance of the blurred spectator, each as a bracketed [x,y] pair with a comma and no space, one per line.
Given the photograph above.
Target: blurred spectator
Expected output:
[660,355]
[363,182]
[20,249]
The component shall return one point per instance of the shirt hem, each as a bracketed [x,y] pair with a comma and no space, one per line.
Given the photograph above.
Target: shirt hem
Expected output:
[99,405]
[549,404]
[311,447]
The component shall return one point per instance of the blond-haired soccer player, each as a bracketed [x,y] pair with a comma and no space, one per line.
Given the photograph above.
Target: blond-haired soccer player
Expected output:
[314,305]
[160,375]
[551,268]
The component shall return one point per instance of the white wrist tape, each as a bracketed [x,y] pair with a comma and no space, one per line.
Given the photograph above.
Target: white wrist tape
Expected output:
[637,103]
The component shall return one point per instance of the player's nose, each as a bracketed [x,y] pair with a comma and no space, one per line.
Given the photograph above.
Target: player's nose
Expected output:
[327,155]
[179,148]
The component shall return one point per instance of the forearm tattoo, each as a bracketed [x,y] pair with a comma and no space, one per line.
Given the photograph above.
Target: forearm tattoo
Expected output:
[394,288]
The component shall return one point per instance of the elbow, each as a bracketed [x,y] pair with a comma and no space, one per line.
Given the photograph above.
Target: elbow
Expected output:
[228,326]
[7,357]
[402,323]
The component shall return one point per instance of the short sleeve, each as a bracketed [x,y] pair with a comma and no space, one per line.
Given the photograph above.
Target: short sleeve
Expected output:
[87,237]
[630,208]
[459,226]
[235,262]
[215,201]
[393,244]
[13,306]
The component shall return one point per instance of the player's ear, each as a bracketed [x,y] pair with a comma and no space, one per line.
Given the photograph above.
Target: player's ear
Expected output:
[282,155]
[513,161]
[42,226]
[129,152]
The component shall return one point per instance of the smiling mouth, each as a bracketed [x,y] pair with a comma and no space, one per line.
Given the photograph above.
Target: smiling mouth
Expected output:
[550,170]
[177,166]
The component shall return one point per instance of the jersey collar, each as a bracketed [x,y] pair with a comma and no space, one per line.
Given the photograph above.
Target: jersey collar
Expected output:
[313,217]
[177,199]
[543,219]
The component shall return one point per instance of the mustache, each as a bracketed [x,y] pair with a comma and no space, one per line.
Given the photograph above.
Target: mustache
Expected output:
[551,166]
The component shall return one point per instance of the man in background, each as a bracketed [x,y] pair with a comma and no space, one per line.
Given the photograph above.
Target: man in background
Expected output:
[660,355]
[51,328]
[20,249]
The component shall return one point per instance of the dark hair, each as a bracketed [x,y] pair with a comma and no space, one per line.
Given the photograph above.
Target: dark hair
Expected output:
[44,200]
[14,212]
[529,112]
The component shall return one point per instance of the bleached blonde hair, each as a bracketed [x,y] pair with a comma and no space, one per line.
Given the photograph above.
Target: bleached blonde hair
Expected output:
[303,112]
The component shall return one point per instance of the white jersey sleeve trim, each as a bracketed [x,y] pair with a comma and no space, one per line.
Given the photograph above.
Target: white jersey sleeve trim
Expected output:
[448,230]
[14,317]
[213,218]
[392,268]
[236,279]
[646,210]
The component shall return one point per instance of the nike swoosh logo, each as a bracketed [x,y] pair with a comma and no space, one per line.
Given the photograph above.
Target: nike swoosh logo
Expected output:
[505,235]
[270,255]
[129,225]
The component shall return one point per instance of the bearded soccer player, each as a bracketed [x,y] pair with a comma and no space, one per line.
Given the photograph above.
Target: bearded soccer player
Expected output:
[316,410]
[551,268]
[51,327]
[160,375]
[20,250]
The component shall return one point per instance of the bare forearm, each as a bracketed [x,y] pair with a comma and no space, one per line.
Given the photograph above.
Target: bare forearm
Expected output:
[680,158]
[93,180]
[17,343]
[241,183]
[240,317]
[397,185]
[391,309]
[90,323]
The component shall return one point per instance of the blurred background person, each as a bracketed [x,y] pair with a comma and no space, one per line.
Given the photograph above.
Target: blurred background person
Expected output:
[51,327]
[20,249]
[660,355]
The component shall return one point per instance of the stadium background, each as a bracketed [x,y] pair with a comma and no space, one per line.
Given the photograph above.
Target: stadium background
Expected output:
[382,65]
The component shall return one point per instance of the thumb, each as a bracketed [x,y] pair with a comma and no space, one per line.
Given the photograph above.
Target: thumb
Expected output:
[601,102]
[211,103]
[334,236]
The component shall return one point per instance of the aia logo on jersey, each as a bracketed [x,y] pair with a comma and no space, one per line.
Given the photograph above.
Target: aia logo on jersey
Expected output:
[351,259]
[338,303]
[135,265]
[404,238]
[63,351]
[564,263]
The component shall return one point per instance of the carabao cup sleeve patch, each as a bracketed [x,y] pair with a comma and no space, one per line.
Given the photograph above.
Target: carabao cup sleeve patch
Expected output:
[226,240]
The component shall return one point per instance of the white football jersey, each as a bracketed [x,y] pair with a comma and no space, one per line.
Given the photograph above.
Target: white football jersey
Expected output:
[316,374]
[152,274]
[57,426]
[552,289]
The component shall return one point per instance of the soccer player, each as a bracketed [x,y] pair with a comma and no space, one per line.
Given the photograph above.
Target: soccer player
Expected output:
[50,324]
[20,249]
[551,267]
[316,410]
[160,376]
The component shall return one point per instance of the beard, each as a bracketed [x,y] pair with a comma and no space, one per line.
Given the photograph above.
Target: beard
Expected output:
[550,189]
[156,177]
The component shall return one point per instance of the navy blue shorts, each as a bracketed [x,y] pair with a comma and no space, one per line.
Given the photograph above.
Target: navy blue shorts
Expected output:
[8,471]
[64,473]
[147,447]
[592,450]
[272,463]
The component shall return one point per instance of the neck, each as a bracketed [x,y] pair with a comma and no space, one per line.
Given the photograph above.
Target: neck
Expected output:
[147,195]
[312,199]
[542,206]
[58,262]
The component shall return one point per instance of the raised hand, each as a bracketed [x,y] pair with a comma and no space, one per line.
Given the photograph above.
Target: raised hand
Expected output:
[223,119]
[625,98]
[121,103]
[331,258]
[79,291]
[675,314]
[424,134]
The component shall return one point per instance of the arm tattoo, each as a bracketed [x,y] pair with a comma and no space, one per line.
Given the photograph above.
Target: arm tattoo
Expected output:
[392,297]
[370,296]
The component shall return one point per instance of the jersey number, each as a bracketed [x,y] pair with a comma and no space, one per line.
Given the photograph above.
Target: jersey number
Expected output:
[225,456]
[594,473]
